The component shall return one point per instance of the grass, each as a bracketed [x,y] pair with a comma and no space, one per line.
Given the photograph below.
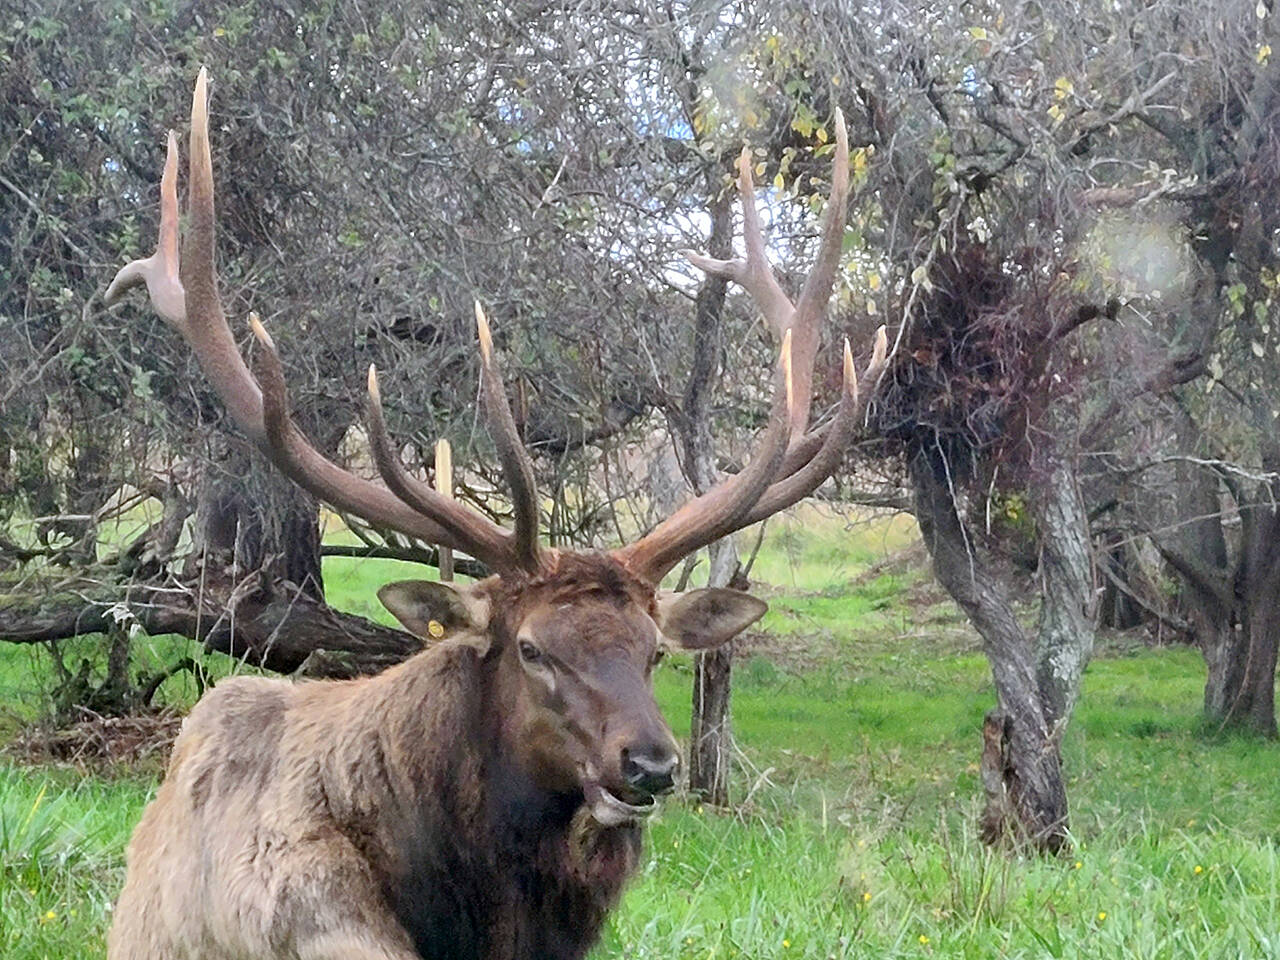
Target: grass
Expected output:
[857,709]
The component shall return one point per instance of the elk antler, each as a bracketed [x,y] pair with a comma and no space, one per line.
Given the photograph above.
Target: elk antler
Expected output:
[787,465]
[755,275]
[160,270]
[810,458]
[185,292]
[516,465]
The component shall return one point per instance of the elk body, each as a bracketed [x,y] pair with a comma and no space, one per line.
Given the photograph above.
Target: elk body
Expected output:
[483,800]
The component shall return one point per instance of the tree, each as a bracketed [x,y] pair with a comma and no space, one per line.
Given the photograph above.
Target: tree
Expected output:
[396,164]
[994,137]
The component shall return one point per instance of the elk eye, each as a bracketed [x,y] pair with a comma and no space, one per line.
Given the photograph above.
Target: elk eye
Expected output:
[529,653]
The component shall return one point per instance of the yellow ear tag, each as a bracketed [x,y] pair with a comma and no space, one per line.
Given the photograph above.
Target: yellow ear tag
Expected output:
[435,628]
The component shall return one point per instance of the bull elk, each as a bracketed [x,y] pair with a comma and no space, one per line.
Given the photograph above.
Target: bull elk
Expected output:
[484,799]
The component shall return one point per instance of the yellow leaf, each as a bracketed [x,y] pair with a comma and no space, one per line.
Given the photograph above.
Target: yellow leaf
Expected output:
[778,182]
[1264,53]
[436,629]
[1063,88]
[751,119]
[871,307]
[219,32]
[873,281]
[978,33]
[835,81]
[1055,111]
[759,169]
[821,134]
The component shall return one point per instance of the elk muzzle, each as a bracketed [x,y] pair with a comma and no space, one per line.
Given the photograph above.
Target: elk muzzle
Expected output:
[650,769]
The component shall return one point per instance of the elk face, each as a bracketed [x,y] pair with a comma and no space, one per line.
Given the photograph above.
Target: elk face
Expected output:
[574,678]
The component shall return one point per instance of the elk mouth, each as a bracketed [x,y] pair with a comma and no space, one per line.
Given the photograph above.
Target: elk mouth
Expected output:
[609,810]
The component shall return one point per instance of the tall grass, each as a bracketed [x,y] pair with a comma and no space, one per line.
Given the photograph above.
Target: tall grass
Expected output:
[62,839]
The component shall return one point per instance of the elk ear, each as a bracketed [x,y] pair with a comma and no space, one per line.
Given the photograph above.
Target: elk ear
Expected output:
[435,610]
[700,619]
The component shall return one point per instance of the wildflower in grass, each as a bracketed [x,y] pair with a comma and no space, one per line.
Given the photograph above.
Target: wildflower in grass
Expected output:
[786,944]
[1198,870]
[866,896]
[1102,915]
[1077,865]
[47,917]
[924,941]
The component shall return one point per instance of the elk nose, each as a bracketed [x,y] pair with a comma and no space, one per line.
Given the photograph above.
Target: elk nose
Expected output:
[651,770]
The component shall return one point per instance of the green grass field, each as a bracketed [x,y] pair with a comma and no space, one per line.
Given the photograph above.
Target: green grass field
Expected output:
[857,710]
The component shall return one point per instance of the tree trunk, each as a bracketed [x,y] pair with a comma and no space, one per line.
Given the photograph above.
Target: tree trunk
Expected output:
[710,730]
[1233,596]
[1239,688]
[1118,608]
[1068,607]
[711,735]
[1239,642]
[251,520]
[280,633]
[1036,682]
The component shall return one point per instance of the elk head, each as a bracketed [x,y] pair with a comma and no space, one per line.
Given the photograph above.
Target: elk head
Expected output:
[570,637]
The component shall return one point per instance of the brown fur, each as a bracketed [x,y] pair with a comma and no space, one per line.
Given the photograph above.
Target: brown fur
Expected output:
[432,811]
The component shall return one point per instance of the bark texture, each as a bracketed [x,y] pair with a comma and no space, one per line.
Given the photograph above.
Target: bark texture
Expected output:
[1037,679]
[711,735]
[710,729]
[251,588]
[279,633]
[251,520]
[1231,581]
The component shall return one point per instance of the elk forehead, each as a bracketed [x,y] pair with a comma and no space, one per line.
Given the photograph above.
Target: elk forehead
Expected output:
[581,628]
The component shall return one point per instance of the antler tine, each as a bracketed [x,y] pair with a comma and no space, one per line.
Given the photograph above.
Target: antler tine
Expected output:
[205,325]
[806,478]
[752,272]
[516,465]
[755,275]
[808,458]
[489,542]
[289,449]
[185,291]
[719,511]
[160,270]
[816,293]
